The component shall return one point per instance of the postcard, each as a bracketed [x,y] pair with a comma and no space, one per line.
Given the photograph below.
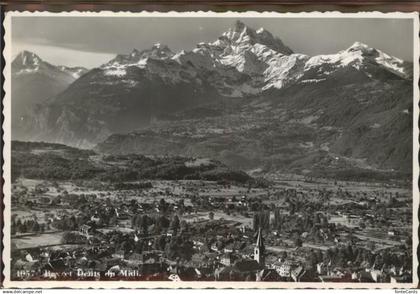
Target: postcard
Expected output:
[211,150]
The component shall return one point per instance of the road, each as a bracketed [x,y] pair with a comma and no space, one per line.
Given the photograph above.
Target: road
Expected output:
[280,249]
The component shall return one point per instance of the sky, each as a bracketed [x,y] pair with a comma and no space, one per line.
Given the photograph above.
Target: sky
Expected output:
[92,41]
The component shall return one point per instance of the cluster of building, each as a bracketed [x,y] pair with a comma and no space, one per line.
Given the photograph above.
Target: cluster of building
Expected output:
[282,235]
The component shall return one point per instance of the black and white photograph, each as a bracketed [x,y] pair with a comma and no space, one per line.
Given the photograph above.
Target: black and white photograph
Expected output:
[214,148]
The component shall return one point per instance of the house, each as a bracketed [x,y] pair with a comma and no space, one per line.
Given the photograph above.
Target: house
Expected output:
[406,278]
[199,260]
[377,275]
[29,258]
[189,274]
[135,257]
[229,248]
[284,269]
[197,244]
[393,279]
[338,277]
[170,233]
[44,200]
[174,278]
[85,229]
[95,218]
[214,247]
[247,266]
[362,276]
[392,233]
[296,273]
[226,259]
[152,268]
[321,268]
[118,254]
[268,275]
[307,275]
[225,273]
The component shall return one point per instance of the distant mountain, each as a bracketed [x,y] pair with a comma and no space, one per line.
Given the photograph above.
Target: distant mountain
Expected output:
[124,94]
[34,81]
[245,99]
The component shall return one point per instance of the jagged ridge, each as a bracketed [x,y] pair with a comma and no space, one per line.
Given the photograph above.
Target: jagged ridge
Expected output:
[136,89]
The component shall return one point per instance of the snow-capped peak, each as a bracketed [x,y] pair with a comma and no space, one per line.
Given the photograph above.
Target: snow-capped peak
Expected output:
[139,58]
[259,56]
[27,62]
[242,47]
[242,36]
[238,34]
[239,26]
[27,59]
[358,46]
[118,65]
[134,53]
[361,57]
[393,64]
[160,51]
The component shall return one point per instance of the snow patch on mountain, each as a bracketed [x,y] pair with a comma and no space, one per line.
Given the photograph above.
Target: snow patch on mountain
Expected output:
[358,56]
[75,72]
[244,61]
[27,71]
[29,63]
[393,63]
[118,65]
[115,71]
[312,81]
[283,70]
[341,59]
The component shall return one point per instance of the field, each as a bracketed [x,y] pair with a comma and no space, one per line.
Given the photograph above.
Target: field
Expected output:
[38,240]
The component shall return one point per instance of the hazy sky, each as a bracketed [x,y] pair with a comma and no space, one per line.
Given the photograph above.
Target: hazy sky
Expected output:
[91,41]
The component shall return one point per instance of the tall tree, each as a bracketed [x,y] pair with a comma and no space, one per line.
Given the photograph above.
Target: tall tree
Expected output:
[175,224]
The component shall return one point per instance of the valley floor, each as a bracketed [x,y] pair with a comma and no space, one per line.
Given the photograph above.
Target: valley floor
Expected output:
[312,229]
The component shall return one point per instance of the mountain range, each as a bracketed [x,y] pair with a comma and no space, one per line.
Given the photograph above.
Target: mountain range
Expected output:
[245,99]
[34,81]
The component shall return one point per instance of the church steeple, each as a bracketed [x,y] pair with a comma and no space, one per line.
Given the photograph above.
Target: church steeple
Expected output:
[259,249]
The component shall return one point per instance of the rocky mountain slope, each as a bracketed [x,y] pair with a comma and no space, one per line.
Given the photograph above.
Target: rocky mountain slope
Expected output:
[245,99]
[322,128]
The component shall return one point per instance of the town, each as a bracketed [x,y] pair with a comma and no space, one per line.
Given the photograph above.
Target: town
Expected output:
[287,228]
